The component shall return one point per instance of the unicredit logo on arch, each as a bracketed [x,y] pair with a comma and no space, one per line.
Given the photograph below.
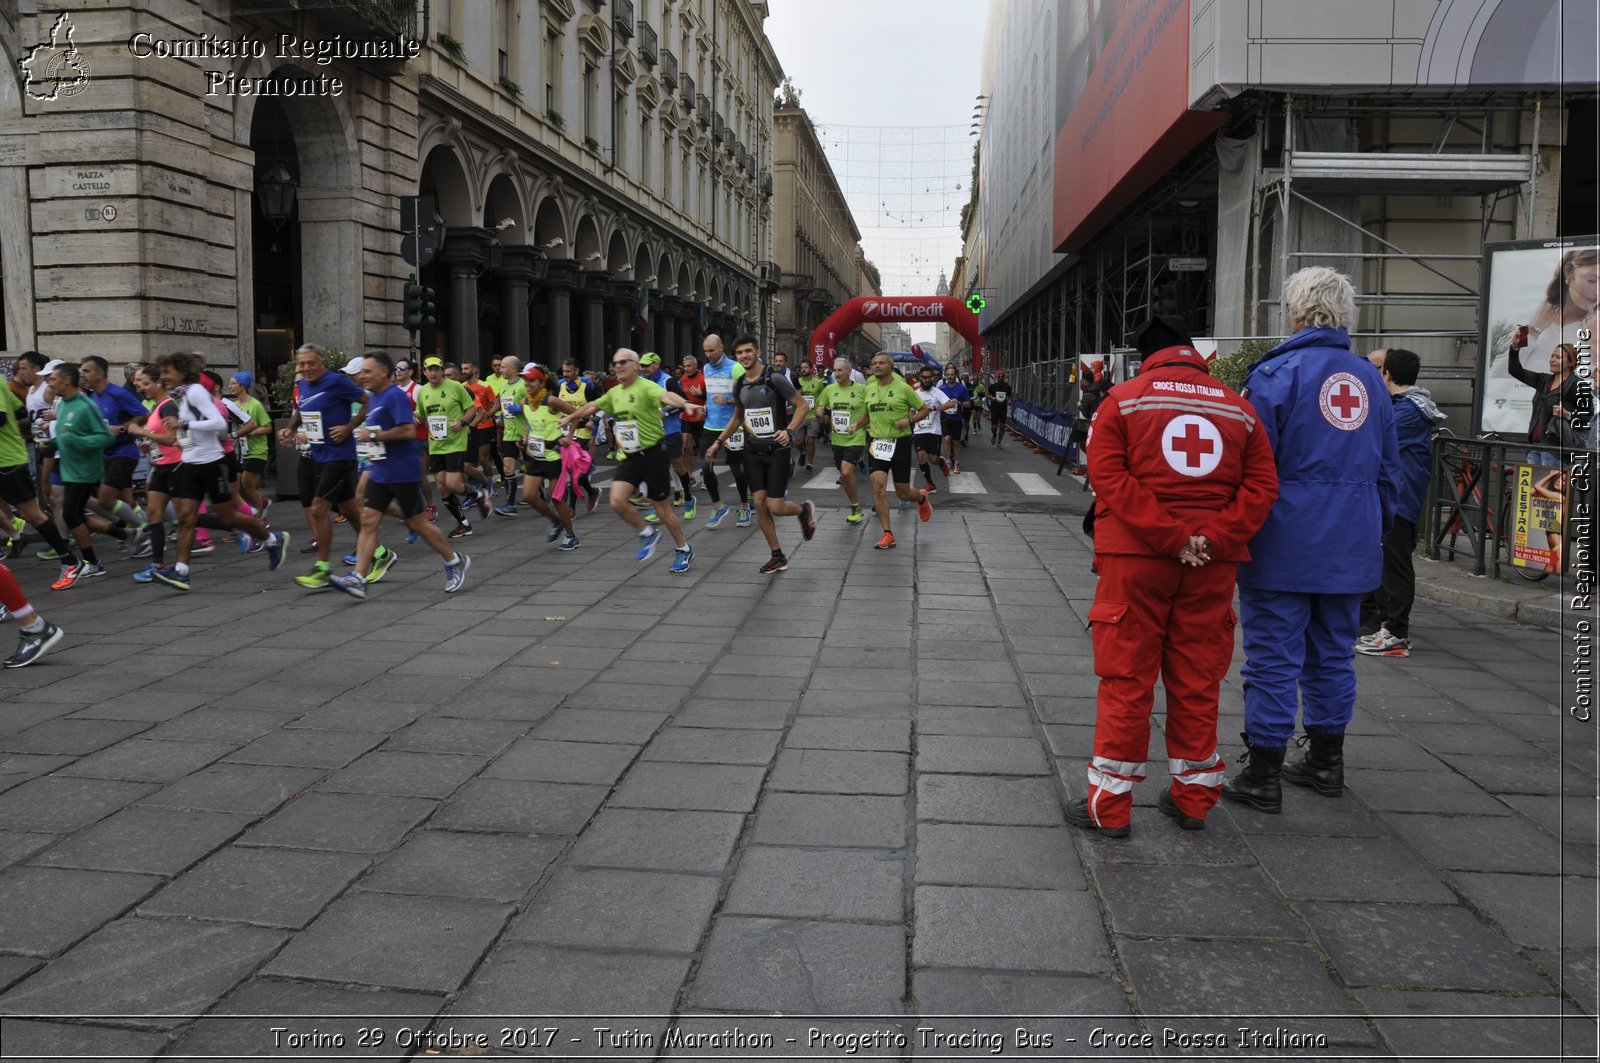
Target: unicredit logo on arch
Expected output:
[874,310]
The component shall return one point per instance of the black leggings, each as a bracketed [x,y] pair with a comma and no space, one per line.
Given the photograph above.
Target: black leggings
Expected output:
[735,466]
[75,503]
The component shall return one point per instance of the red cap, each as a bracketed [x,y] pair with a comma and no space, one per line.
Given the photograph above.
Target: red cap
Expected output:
[533,374]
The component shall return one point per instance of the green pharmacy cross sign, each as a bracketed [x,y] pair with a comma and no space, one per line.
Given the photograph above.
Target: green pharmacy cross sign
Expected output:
[976,303]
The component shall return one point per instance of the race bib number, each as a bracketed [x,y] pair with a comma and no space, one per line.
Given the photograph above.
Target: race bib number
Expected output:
[719,385]
[536,449]
[760,422]
[185,438]
[883,449]
[627,433]
[841,422]
[374,451]
[438,426]
[311,424]
[736,441]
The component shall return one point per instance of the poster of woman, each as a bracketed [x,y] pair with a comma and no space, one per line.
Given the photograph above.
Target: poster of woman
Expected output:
[1536,297]
[1538,531]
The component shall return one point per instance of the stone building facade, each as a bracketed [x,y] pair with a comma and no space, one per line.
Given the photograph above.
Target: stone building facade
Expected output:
[815,241]
[594,167]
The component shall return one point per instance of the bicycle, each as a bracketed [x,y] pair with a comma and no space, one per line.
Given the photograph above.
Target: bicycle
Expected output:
[1476,514]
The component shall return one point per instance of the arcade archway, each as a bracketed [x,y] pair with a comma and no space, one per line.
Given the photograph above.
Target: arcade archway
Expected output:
[927,309]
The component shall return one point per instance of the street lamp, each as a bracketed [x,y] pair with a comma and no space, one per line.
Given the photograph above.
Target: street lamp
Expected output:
[276,188]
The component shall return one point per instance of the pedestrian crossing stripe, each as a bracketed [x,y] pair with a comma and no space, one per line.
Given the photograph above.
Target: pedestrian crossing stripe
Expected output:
[1032,483]
[967,483]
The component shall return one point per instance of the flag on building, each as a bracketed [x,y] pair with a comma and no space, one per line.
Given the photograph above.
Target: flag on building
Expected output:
[641,310]
[699,319]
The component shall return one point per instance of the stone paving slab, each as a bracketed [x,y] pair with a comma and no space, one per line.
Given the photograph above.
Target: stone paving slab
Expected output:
[778,965]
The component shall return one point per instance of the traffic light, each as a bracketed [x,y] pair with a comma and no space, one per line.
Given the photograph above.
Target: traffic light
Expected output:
[419,305]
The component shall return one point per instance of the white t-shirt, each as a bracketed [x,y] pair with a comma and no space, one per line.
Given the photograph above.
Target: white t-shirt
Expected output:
[201,426]
[929,426]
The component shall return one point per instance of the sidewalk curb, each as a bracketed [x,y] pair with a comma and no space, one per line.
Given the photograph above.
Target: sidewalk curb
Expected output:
[1484,595]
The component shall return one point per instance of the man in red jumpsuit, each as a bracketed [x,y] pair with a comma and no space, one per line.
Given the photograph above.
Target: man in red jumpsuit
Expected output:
[1183,477]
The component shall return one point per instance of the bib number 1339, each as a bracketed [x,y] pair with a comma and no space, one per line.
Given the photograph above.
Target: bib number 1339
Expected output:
[883,449]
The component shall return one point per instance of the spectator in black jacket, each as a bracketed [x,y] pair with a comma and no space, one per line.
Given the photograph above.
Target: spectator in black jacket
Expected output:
[1557,395]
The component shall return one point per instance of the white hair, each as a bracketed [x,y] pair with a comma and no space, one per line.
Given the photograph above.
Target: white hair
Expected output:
[1320,297]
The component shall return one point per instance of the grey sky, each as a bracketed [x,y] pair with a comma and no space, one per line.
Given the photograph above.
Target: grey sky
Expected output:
[880,78]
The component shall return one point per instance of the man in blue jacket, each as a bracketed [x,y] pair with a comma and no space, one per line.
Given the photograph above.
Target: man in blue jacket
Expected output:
[1386,611]
[1325,410]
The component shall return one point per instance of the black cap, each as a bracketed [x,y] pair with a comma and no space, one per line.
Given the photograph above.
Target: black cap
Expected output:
[1159,333]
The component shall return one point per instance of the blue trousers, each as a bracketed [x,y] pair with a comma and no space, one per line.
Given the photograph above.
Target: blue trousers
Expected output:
[1299,656]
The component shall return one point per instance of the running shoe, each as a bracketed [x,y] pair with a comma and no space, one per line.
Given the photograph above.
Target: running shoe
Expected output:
[412,537]
[808,466]
[745,517]
[688,508]
[1386,645]
[677,499]
[944,464]
[885,543]
[433,513]
[18,526]
[173,578]
[382,561]
[351,558]
[682,558]
[90,571]
[144,575]
[455,575]
[460,531]
[556,531]
[14,548]
[568,542]
[32,646]
[1374,638]
[318,579]
[202,548]
[647,544]
[776,563]
[352,584]
[506,511]
[70,574]
[808,520]
[338,518]
[309,548]
[652,518]
[925,509]
[594,497]
[276,544]
[482,502]
[640,499]
[930,489]
[49,554]
[246,541]
[855,515]
[717,516]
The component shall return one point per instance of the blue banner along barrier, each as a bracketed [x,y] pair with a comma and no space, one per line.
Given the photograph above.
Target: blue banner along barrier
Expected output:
[1048,429]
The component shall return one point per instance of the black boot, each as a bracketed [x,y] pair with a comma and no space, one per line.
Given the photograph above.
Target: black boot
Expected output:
[1257,785]
[1322,768]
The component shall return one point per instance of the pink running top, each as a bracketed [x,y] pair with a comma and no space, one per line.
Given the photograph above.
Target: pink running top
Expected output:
[168,455]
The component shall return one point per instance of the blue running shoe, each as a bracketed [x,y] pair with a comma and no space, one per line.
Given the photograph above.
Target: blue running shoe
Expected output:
[647,544]
[569,542]
[455,575]
[172,577]
[277,544]
[412,537]
[351,558]
[144,575]
[352,584]
[682,558]
[716,517]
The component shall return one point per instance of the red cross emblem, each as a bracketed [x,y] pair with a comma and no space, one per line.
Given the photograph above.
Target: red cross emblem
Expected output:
[1192,445]
[1344,401]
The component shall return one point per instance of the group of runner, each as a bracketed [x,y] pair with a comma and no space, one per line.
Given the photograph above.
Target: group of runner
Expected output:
[373,441]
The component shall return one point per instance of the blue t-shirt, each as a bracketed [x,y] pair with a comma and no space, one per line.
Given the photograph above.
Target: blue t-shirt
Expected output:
[400,464]
[326,405]
[671,417]
[957,391]
[117,406]
[719,382]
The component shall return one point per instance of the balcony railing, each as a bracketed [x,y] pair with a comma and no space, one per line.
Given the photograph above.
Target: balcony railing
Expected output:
[686,89]
[647,42]
[373,17]
[622,18]
[718,129]
[702,107]
[669,69]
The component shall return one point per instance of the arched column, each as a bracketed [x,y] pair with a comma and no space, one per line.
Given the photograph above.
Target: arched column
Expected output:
[560,282]
[464,256]
[619,314]
[517,266]
[592,299]
[666,330]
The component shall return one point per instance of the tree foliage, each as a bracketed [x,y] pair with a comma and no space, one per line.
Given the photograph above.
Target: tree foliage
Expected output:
[1231,369]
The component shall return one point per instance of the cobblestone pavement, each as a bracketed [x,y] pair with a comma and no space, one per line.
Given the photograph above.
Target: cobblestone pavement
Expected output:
[585,787]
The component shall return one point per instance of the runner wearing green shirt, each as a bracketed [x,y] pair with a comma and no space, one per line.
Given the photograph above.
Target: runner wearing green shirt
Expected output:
[842,405]
[80,442]
[810,385]
[254,438]
[636,404]
[542,438]
[448,411]
[893,406]
[511,396]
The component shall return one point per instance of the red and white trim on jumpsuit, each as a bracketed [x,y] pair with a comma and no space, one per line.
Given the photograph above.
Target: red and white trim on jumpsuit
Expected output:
[1172,454]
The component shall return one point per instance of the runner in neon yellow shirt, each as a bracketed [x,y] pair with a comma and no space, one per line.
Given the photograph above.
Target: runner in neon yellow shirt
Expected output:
[893,406]
[842,406]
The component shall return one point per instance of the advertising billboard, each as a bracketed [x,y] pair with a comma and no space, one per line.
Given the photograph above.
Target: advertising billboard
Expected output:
[1544,293]
[1122,108]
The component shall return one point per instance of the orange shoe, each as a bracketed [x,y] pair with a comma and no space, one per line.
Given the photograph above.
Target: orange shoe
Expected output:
[925,508]
[886,543]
